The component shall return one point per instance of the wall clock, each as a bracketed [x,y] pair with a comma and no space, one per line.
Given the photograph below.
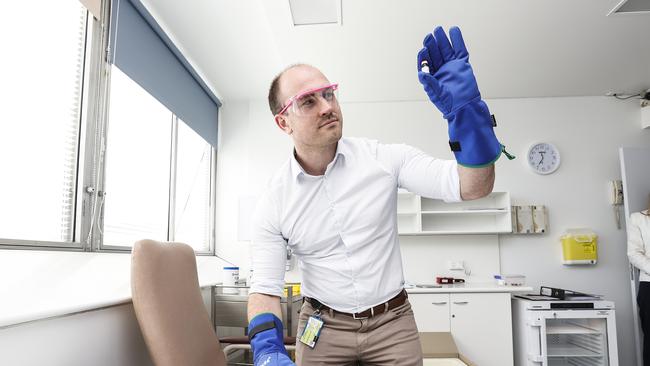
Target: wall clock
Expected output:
[543,158]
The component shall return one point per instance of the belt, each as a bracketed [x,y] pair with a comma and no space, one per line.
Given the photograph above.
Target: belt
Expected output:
[396,301]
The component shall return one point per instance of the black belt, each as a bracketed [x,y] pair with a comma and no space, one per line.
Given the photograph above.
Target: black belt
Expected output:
[396,301]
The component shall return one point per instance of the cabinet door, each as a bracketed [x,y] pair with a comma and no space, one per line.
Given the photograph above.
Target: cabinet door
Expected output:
[481,325]
[431,312]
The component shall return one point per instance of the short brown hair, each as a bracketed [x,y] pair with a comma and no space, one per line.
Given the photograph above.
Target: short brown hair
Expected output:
[274,104]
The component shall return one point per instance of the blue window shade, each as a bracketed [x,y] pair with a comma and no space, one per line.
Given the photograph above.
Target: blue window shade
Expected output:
[143,51]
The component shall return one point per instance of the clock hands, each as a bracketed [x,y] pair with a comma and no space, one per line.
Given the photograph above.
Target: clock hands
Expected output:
[542,159]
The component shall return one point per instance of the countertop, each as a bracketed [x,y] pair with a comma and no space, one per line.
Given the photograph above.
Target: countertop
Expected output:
[469,287]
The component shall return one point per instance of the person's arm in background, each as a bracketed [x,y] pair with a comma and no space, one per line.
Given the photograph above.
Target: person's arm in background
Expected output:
[635,247]
[268,257]
[448,79]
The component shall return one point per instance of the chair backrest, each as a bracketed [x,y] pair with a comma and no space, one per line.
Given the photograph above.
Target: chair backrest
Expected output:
[169,307]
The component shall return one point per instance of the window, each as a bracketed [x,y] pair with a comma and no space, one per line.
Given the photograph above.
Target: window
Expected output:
[147,179]
[138,147]
[42,77]
[96,160]
[193,181]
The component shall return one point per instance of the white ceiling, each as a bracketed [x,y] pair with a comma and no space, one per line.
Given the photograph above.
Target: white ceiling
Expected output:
[535,48]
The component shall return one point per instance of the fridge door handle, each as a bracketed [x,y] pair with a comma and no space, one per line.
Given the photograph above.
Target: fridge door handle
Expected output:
[542,340]
[536,335]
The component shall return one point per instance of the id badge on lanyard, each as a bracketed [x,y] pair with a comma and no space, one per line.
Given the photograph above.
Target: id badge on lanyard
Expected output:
[312,330]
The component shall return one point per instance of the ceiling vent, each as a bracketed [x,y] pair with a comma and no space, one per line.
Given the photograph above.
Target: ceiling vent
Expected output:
[315,12]
[631,7]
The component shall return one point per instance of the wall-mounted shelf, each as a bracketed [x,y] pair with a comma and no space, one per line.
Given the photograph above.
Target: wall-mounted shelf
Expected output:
[418,215]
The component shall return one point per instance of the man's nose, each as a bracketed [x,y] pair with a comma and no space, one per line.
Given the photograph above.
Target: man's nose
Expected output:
[325,106]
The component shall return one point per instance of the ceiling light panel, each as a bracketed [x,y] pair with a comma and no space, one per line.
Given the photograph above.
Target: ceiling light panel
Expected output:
[631,7]
[311,12]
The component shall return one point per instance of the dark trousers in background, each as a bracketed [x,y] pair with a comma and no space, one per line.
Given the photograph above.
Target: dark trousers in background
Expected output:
[643,300]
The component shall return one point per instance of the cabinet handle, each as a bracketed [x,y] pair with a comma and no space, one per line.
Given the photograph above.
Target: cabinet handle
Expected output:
[461,302]
[439,303]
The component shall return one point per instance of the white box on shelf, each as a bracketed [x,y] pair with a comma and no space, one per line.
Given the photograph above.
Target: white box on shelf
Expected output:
[510,280]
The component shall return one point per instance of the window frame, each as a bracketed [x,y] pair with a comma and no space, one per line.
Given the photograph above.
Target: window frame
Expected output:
[94,143]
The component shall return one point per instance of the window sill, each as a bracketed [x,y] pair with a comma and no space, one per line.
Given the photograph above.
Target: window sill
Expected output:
[43,284]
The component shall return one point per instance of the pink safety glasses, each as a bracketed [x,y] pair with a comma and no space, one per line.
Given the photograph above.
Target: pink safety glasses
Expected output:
[304,103]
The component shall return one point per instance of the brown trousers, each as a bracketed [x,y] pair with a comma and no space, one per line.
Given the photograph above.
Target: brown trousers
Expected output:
[388,339]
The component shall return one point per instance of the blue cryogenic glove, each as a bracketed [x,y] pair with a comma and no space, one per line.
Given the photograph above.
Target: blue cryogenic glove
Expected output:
[267,341]
[449,81]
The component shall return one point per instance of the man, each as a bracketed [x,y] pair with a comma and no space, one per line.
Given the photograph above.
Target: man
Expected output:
[334,204]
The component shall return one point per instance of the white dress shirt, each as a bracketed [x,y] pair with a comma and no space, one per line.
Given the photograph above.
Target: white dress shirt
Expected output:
[638,243]
[342,225]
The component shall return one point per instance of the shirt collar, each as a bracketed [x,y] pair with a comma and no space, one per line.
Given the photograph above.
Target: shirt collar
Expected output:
[342,148]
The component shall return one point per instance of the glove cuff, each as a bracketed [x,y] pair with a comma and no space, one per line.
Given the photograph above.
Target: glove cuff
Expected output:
[261,323]
[266,335]
[471,135]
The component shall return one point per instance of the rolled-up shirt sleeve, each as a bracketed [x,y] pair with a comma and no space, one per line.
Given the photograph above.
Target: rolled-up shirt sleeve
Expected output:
[268,249]
[636,249]
[420,173]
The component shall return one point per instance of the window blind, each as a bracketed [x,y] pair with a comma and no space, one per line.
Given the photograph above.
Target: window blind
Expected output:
[72,133]
[142,50]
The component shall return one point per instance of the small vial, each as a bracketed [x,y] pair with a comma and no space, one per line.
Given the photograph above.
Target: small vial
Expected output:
[424,66]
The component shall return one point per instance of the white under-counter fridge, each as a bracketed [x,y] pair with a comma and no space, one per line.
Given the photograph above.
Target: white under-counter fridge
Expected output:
[566,331]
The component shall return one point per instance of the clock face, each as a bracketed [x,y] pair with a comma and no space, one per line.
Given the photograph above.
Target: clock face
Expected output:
[543,158]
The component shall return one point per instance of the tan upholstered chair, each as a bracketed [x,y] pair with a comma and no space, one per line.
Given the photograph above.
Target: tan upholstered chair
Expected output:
[169,307]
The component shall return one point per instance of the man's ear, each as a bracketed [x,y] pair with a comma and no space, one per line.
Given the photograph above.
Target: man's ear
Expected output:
[283,123]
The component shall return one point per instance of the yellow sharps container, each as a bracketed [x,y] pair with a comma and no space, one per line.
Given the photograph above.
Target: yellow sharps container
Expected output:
[579,246]
[295,289]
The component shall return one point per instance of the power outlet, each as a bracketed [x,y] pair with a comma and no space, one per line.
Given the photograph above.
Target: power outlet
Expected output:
[455,265]
[645,113]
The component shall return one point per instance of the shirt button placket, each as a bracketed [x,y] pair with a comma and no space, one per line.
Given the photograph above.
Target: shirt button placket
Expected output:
[332,206]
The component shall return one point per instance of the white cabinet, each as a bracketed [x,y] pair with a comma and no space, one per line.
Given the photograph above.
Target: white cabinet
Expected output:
[418,215]
[431,312]
[480,323]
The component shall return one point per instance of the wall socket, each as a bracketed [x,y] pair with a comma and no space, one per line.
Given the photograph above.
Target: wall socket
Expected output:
[455,265]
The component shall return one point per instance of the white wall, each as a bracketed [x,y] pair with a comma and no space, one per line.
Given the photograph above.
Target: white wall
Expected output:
[587,131]
[250,147]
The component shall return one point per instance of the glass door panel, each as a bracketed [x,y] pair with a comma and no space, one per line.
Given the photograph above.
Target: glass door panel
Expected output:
[577,341]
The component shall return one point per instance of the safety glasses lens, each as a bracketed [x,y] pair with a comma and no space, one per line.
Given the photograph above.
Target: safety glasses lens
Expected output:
[306,104]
